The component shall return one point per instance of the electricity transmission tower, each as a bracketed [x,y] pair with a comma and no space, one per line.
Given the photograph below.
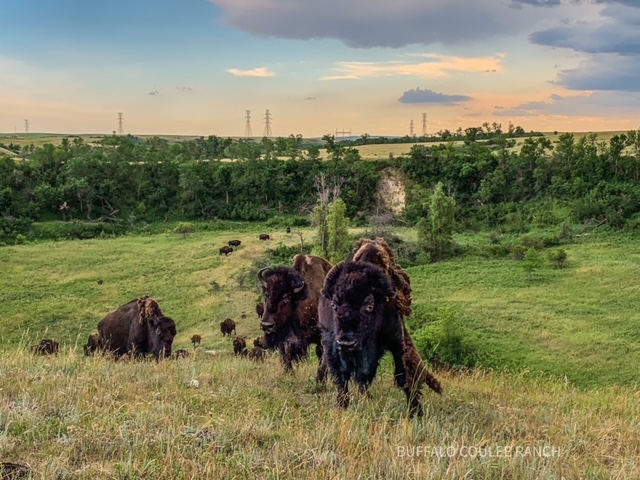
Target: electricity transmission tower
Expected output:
[411,132]
[343,133]
[424,124]
[247,125]
[120,123]
[26,125]
[267,124]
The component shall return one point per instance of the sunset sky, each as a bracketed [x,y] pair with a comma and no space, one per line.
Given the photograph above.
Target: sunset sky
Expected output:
[370,66]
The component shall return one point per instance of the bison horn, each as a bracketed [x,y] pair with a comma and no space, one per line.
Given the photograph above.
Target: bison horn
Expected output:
[261,273]
[299,288]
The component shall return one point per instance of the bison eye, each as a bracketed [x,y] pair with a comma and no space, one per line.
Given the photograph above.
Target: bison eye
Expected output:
[368,307]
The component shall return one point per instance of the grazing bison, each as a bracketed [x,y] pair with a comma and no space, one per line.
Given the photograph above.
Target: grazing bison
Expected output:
[100,282]
[234,243]
[290,312]
[264,236]
[257,354]
[196,339]
[93,344]
[360,321]
[261,342]
[239,345]
[182,353]
[46,346]
[288,230]
[225,250]
[227,326]
[138,328]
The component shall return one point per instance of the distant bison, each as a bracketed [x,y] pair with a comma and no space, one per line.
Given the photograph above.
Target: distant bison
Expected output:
[257,354]
[93,344]
[360,321]
[288,230]
[261,342]
[138,327]
[226,250]
[239,345]
[234,243]
[46,346]
[290,312]
[181,353]
[264,236]
[196,339]
[227,326]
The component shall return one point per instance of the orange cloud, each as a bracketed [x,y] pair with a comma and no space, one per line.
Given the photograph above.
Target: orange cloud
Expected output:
[254,72]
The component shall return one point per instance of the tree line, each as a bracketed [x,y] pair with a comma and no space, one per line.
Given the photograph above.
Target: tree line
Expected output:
[122,178]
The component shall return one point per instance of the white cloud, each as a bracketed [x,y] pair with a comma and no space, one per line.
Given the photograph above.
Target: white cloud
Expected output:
[254,72]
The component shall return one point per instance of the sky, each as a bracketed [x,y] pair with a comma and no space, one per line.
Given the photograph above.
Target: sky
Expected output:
[193,67]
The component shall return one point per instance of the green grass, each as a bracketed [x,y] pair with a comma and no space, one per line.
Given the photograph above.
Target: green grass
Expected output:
[218,416]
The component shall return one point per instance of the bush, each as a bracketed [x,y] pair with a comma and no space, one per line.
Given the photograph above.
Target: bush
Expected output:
[443,342]
[75,230]
[558,258]
[184,229]
[283,221]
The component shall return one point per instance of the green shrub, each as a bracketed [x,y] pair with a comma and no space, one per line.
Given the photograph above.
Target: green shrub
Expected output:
[558,258]
[185,228]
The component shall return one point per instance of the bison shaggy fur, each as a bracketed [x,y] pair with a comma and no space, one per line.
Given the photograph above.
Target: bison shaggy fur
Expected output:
[93,344]
[196,339]
[226,250]
[239,345]
[257,354]
[360,321]
[139,328]
[290,312]
[234,243]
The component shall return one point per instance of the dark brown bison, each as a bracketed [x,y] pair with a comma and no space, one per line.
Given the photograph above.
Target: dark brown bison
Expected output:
[257,354]
[261,342]
[227,326]
[360,321]
[196,339]
[225,250]
[181,353]
[264,236]
[239,345]
[14,471]
[290,313]
[234,243]
[46,346]
[137,328]
[288,230]
[93,344]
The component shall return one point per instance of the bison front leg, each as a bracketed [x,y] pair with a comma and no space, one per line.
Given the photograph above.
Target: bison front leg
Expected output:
[343,393]
[321,376]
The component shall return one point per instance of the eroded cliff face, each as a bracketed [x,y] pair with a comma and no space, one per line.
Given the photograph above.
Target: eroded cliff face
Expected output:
[391,192]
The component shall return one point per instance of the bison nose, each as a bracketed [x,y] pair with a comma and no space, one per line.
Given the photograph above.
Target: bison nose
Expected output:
[347,344]
[267,326]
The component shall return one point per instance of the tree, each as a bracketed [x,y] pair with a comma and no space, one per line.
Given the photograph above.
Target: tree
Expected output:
[338,230]
[327,191]
[435,235]
[533,261]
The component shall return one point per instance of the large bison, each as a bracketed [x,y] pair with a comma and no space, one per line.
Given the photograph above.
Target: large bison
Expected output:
[46,346]
[93,344]
[360,321]
[227,326]
[226,250]
[234,243]
[264,236]
[137,328]
[290,312]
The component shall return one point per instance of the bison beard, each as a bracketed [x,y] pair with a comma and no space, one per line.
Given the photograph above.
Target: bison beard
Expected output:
[360,321]
[290,312]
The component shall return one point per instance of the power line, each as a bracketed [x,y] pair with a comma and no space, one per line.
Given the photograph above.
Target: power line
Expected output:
[424,124]
[247,126]
[120,123]
[342,133]
[267,124]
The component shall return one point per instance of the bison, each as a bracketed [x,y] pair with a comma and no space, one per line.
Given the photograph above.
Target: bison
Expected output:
[227,326]
[139,328]
[257,354]
[290,311]
[234,243]
[93,344]
[196,339]
[225,250]
[261,342]
[181,353]
[360,321]
[239,345]
[264,236]
[46,346]
[288,230]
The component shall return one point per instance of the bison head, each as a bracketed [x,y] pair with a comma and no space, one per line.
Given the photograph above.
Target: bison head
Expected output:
[359,294]
[283,288]
[161,329]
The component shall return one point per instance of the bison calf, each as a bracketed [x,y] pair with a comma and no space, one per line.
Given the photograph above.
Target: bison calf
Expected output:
[227,326]
[196,339]
[46,346]
[360,321]
[257,354]
[93,344]
[264,236]
[234,243]
[239,345]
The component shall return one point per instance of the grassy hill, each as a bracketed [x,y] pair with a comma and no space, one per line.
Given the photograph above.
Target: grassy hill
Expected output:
[568,340]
